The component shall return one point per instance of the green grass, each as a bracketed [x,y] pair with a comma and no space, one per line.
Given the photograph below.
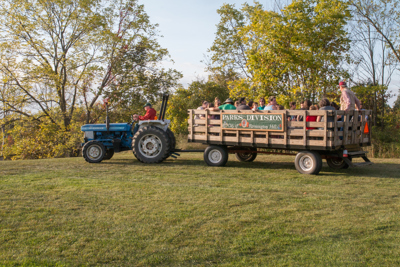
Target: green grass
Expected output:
[66,212]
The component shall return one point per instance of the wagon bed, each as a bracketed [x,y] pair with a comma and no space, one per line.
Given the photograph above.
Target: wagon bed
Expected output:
[340,140]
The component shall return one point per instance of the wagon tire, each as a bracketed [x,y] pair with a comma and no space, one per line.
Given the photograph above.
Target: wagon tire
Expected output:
[246,157]
[151,145]
[337,163]
[93,152]
[216,155]
[308,162]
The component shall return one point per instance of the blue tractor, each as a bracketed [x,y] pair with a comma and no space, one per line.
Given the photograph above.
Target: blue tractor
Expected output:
[152,143]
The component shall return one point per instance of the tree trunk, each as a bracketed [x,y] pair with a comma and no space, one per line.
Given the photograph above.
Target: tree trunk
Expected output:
[374,110]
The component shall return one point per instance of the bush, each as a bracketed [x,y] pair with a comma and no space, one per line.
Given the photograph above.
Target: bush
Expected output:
[28,139]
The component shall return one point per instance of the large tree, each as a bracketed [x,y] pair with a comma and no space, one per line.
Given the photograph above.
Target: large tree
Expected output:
[297,52]
[57,54]
[375,51]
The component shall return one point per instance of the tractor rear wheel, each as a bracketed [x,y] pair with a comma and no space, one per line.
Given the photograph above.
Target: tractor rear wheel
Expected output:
[151,145]
[93,152]
[172,141]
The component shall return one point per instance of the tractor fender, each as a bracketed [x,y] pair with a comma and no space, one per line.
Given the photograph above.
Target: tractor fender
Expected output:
[162,124]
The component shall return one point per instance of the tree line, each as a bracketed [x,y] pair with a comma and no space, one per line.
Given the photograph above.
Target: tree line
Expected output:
[60,59]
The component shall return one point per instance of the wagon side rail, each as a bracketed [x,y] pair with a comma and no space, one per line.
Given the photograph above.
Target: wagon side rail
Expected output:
[337,129]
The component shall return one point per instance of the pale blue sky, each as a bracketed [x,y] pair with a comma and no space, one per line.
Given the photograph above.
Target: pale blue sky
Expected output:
[188,28]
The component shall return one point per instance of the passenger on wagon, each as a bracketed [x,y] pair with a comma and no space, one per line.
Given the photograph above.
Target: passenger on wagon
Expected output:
[292,107]
[255,106]
[306,106]
[217,103]
[242,104]
[228,105]
[204,106]
[261,102]
[271,103]
[311,118]
[325,105]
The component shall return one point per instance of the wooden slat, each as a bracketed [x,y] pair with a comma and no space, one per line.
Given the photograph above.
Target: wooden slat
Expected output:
[353,133]
[301,112]
[192,122]
[308,124]
[221,134]
[325,127]
[206,119]
[346,129]
[285,128]
[362,124]
[248,140]
[299,132]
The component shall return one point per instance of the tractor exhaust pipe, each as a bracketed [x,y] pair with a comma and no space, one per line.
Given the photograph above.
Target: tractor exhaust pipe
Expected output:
[107,118]
[163,106]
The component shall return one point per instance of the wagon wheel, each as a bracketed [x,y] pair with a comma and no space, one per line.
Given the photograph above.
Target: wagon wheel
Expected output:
[216,155]
[246,157]
[337,163]
[308,162]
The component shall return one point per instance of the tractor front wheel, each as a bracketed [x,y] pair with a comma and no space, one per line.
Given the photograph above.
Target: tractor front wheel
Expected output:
[109,154]
[93,152]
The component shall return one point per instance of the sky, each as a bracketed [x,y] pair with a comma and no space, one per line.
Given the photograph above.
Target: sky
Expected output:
[188,28]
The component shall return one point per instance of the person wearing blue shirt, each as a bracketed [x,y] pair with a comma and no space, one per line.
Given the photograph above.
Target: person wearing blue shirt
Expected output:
[271,103]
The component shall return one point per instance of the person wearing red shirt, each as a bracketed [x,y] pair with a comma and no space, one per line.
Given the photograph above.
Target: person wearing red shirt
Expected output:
[312,118]
[150,115]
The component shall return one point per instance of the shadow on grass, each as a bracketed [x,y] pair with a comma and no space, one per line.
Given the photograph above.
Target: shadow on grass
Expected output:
[378,170]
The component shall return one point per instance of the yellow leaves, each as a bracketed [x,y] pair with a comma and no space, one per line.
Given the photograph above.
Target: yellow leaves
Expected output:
[30,140]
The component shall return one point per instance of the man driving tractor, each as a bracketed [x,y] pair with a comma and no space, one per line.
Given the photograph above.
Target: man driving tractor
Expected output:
[150,115]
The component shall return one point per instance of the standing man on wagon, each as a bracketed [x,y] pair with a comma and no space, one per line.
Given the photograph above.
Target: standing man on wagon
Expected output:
[348,99]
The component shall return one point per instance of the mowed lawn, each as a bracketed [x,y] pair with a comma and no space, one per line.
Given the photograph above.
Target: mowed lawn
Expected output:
[66,212]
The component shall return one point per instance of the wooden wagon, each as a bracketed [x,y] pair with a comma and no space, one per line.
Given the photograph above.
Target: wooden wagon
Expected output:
[338,138]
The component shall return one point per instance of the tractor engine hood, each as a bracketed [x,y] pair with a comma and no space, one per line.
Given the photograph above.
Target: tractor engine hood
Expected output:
[114,127]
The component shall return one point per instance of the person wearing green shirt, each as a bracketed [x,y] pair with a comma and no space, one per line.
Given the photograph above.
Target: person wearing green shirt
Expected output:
[228,105]
[261,106]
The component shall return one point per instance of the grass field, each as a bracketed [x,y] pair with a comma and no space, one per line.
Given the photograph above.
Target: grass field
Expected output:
[66,212]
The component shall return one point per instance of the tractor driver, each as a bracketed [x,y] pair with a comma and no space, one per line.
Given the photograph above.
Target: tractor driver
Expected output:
[150,115]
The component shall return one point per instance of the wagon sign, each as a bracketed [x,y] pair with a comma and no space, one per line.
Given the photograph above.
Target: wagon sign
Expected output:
[264,122]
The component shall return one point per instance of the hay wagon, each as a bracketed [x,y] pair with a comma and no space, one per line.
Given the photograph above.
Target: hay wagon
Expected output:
[338,138]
